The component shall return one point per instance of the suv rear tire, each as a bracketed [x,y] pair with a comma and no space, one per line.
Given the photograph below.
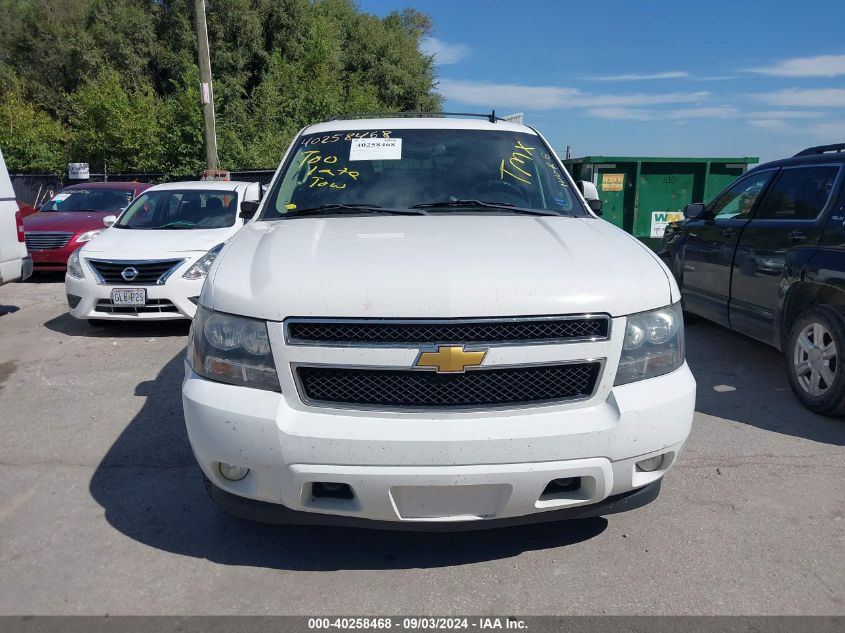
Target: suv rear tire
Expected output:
[812,359]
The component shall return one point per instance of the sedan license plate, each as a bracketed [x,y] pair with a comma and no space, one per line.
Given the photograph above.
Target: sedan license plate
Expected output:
[130,297]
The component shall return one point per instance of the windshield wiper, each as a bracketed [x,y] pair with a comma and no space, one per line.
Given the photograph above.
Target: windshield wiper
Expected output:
[177,224]
[350,209]
[470,203]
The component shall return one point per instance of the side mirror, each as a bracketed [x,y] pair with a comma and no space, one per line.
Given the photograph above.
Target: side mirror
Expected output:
[109,220]
[694,211]
[591,195]
[248,208]
[588,190]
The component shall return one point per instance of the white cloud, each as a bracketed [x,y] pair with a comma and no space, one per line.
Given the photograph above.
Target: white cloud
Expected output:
[443,52]
[713,112]
[628,114]
[768,124]
[677,114]
[818,66]
[669,74]
[716,78]
[832,132]
[814,98]
[784,114]
[523,97]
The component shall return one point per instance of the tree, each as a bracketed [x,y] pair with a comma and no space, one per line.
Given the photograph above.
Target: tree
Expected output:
[116,126]
[119,77]
[31,139]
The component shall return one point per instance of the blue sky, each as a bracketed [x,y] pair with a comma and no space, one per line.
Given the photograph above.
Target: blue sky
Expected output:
[647,78]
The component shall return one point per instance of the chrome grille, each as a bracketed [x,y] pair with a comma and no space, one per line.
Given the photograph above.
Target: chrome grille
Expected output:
[45,240]
[152,305]
[463,331]
[528,384]
[150,272]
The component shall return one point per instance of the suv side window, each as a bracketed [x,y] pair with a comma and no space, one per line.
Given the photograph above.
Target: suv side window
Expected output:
[738,201]
[799,193]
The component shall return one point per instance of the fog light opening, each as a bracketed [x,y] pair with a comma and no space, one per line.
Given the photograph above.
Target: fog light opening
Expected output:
[651,464]
[564,484]
[331,490]
[233,473]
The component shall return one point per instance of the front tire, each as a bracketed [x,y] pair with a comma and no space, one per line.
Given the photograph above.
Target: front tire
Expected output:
[812,359]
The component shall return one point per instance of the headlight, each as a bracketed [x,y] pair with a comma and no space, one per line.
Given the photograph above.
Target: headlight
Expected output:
[653,346]
[200,268]
[232,349]
[88,235]
[74,266]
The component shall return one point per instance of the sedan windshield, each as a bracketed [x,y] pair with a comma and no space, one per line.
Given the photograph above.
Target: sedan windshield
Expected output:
[181,209]
[99,199]
[430,170]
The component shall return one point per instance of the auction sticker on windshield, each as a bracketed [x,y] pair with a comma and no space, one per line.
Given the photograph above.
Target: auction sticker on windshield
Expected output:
[375,149]
[129,296]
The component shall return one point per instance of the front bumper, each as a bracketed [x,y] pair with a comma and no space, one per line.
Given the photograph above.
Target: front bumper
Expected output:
[438,467]
[172,300]
[54,259]
[275,513]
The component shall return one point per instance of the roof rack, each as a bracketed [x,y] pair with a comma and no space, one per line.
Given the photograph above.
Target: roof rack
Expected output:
[821,149]
[390,115]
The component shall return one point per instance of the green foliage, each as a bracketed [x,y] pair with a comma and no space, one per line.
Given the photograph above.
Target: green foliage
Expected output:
[31,140]
[116,80]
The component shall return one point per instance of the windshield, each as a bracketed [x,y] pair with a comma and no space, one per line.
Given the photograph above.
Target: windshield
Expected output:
[435,170]
[181,209]
[100,199]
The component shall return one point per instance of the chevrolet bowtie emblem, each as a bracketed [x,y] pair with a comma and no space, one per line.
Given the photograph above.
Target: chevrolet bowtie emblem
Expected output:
[450,359]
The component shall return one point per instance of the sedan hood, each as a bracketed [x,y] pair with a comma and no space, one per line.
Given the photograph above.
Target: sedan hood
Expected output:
[435,266]
[71,221]
[139,243]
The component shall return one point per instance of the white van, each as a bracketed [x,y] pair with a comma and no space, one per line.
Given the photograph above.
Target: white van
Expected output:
[15,262]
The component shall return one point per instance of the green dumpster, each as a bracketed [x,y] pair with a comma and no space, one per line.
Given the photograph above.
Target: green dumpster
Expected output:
[643,194]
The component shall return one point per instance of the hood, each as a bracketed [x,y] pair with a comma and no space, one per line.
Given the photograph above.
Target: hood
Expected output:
[74,221]
[435,266]
[139,243]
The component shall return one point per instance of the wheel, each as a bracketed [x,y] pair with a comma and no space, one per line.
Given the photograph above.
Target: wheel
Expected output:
[812,359]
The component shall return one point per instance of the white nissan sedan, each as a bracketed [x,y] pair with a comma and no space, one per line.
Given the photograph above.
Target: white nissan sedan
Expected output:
[152,261]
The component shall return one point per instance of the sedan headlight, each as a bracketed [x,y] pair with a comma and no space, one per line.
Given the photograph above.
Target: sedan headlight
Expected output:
[88,236]
[201,267]
[74,266]
[653,346]
[232,349]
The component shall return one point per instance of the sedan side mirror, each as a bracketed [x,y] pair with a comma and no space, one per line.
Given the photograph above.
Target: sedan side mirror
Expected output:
[109,220]
[694,211]
[248,208]
[595,206]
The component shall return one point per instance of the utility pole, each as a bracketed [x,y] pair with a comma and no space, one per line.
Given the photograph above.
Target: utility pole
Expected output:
[206,91]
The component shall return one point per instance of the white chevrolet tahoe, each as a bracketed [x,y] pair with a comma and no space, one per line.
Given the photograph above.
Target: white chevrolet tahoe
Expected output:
[425,326]
[15,262]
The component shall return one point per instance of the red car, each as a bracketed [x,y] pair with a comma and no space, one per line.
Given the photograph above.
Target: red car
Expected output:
[74,216]
[25,209]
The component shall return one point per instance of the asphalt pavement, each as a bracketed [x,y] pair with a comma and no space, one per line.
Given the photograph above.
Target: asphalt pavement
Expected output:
[102,508]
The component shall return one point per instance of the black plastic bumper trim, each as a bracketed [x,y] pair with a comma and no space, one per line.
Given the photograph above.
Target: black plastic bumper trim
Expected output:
[276,513]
